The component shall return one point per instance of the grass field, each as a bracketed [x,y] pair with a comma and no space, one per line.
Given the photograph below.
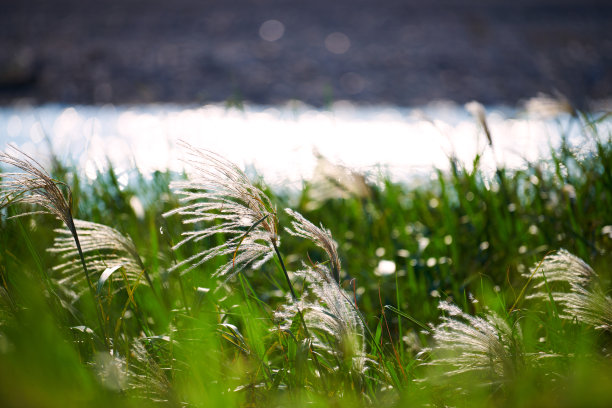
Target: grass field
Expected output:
[449,292]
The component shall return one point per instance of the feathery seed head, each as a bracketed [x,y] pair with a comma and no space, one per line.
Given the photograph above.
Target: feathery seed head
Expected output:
[219,193]
[102,247]
[469,344]
[585,301]
[327,309]
[320,236]
[562,267]
[330,317]
[33,186]
[331,180]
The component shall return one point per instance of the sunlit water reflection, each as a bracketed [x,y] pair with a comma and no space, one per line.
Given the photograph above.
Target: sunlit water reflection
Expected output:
[281,142]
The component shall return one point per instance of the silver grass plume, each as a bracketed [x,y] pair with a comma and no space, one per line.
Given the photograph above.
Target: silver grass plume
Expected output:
[332,320]
[327,309]
[574,286]
[561,267]
[102,246]
[319,236]
[486,345]
[331,180]
[220,194]
[33,186]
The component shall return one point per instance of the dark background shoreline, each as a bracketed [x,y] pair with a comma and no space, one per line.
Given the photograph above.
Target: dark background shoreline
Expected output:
[405,53]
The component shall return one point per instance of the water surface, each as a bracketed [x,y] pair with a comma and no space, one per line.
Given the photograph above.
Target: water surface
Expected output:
[283,143]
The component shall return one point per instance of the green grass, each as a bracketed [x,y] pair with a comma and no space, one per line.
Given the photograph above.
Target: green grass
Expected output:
[465,236]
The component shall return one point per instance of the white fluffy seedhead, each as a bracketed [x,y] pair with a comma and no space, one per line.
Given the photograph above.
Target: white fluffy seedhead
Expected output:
[575,287]
[319,236]
[331,181]
[218,193]
[561,267]
[486,345]
[330,316]
[103,247]
[33,186]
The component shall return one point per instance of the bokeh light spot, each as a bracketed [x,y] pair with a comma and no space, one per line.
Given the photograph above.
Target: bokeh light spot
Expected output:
[272,30]
[337,43]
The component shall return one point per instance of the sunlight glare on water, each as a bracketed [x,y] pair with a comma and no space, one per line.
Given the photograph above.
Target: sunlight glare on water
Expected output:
[281,143]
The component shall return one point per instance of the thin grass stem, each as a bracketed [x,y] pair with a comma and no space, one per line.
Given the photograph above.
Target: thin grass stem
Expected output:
[280,259]
[299,312]
[98,307]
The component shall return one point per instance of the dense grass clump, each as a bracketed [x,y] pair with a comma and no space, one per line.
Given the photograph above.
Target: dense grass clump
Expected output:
[474,288]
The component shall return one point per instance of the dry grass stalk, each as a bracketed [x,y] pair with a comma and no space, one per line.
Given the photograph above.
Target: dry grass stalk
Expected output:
[478,112]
